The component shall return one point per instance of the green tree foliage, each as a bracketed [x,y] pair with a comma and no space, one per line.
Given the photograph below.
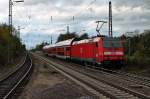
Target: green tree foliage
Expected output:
[39,47]
[139,47]
[66,36]
[140,43]
[83,36]
[10,42]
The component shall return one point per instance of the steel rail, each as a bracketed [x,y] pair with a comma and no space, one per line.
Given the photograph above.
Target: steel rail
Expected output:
[27,64]
[144,81]
[18,67]
[128,91]
[19,80]
[117,76]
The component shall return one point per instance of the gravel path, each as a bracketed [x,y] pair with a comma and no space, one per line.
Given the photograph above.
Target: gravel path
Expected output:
[49,84]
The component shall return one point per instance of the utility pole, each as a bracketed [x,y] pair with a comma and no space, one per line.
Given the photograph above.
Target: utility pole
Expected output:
[129,46]
[10,27]
[19,28]
[73,18]
[51,40]
[18,32]
[68,29]
[110,20]
[10,13]
[51,18]
[10,16]
[10,24]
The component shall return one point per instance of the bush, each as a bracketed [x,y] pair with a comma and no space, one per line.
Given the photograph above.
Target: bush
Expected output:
[7,41]
[140,49]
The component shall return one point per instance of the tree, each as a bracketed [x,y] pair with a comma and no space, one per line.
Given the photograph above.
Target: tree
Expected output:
[39,46]
[140,44]
[84,36]
[8,40]
[66,36]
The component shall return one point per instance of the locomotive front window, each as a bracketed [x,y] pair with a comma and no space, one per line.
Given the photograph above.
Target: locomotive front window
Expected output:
[112,43]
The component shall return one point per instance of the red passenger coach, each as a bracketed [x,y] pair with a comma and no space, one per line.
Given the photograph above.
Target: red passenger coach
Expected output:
[98,50]
[60,49]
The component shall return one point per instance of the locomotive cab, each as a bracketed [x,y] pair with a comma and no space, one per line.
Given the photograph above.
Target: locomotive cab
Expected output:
[113,50]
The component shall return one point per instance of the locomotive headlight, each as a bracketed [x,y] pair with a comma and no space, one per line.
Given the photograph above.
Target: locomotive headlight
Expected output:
[119,53]
[113,53]
[97,55]
[107,53]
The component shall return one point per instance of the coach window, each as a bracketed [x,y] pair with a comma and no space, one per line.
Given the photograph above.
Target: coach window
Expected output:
[68,48]
[96,44]
[60,53]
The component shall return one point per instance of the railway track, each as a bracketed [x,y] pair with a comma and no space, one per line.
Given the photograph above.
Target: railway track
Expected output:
[135,78]
[143,81]
[107,89]
[129,84]
[12,82]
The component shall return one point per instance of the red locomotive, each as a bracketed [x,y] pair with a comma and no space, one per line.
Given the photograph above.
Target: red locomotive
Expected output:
[97,50]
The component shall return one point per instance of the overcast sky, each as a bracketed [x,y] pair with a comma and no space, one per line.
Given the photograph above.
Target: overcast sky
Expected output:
[34,17]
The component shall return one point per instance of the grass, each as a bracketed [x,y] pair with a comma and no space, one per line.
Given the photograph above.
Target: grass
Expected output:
[5,70]
[137,65]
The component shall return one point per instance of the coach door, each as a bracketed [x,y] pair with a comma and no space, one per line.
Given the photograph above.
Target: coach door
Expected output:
[67,52]
[81,52]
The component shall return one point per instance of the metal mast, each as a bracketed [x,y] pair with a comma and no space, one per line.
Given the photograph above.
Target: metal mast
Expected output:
[18,35]
[110,20]
[68,29]
[10,28]
[51,40]
[10,24]
[10,16]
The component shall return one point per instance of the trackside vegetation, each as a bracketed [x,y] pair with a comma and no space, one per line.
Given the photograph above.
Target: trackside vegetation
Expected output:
[139,55]
[67,36]
[9,45]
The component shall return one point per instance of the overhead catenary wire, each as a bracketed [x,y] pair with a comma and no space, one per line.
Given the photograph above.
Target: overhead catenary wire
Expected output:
[17,13]
[74,19]
[22,13]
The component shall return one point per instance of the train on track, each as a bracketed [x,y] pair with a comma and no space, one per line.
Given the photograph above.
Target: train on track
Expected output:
[96,51]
